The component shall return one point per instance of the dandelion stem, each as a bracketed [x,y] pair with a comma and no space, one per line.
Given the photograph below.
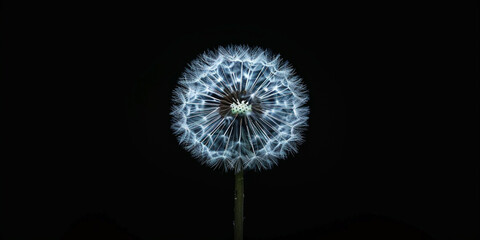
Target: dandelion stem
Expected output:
[238,205]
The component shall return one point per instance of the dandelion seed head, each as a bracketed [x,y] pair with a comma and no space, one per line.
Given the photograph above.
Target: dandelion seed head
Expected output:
[239,107]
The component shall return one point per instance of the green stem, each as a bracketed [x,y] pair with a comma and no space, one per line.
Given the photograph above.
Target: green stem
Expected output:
[238,209]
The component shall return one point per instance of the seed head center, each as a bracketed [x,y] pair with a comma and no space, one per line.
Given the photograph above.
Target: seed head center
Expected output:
[238,107]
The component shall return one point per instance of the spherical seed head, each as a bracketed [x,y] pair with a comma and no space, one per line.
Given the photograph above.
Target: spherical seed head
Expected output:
[239,107]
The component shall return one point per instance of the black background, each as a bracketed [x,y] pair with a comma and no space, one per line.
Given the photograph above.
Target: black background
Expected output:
[391,150]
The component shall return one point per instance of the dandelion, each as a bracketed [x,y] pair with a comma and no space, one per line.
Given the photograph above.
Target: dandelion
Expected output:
[239,108]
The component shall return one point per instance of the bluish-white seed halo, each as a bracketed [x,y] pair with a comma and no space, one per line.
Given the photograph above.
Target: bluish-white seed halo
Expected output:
[239,107]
